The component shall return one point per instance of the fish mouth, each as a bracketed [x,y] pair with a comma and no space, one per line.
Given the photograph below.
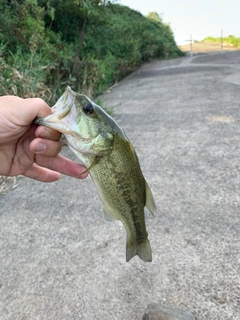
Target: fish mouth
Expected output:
[54,121]
[66,100]
[60,111]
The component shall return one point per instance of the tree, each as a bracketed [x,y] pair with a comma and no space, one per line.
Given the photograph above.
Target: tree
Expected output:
[154,16]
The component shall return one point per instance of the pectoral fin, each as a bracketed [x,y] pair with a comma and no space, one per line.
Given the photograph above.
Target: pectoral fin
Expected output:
[95,161]
[150,203]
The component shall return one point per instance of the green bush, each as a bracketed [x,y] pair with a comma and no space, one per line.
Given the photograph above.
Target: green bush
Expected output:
[46,45]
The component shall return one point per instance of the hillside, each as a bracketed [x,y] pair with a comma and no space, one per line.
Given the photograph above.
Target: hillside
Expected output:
[89,45]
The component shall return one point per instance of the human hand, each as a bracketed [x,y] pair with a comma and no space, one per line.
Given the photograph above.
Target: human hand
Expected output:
[30,150]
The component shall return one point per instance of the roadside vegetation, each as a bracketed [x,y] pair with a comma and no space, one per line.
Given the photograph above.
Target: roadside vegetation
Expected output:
[46,45]
[231,40]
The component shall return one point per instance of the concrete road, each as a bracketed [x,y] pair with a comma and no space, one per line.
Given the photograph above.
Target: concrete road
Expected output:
[61,260]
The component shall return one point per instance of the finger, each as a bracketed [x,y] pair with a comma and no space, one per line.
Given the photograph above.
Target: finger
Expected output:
[62,165]
[46,148]
[41,174]
[47,133]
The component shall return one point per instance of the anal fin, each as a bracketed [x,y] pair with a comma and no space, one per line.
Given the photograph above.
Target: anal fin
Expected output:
[150,203]
[108,216]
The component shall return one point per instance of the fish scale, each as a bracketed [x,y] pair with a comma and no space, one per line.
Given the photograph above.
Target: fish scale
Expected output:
[121,186]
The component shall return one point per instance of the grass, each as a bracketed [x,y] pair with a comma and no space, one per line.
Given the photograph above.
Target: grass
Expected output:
[7,183]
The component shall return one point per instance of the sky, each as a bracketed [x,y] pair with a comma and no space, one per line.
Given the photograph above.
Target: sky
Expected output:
[199,18]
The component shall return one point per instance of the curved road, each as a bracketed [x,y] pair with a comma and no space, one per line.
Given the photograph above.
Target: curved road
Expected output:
[61,260]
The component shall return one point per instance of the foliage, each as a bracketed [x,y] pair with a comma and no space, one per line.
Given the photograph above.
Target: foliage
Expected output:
[46,45]
[22,24]
[226,40]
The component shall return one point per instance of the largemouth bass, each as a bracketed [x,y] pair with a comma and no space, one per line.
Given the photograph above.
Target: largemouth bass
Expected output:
[101,145]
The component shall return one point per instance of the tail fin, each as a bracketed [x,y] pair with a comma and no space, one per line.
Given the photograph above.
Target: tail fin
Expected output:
[143,250]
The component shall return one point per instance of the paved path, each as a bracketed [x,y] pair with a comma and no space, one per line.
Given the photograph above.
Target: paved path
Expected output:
[61,260]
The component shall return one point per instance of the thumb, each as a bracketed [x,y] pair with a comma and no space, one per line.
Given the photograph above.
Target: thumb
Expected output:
[22,112]
[34,107]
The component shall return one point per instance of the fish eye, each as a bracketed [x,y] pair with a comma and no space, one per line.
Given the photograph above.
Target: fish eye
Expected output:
[88,109]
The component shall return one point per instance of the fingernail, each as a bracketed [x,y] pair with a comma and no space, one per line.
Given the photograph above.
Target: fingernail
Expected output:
[41,147]
[44,133]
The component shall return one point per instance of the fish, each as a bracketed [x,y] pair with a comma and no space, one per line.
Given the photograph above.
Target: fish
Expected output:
[104,149]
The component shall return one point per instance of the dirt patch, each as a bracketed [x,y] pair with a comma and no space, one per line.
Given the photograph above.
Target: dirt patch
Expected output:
[206,47]
[223,119]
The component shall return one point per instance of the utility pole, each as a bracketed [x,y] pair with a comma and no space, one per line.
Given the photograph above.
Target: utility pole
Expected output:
[222,40]
[190,41]
[191,52]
